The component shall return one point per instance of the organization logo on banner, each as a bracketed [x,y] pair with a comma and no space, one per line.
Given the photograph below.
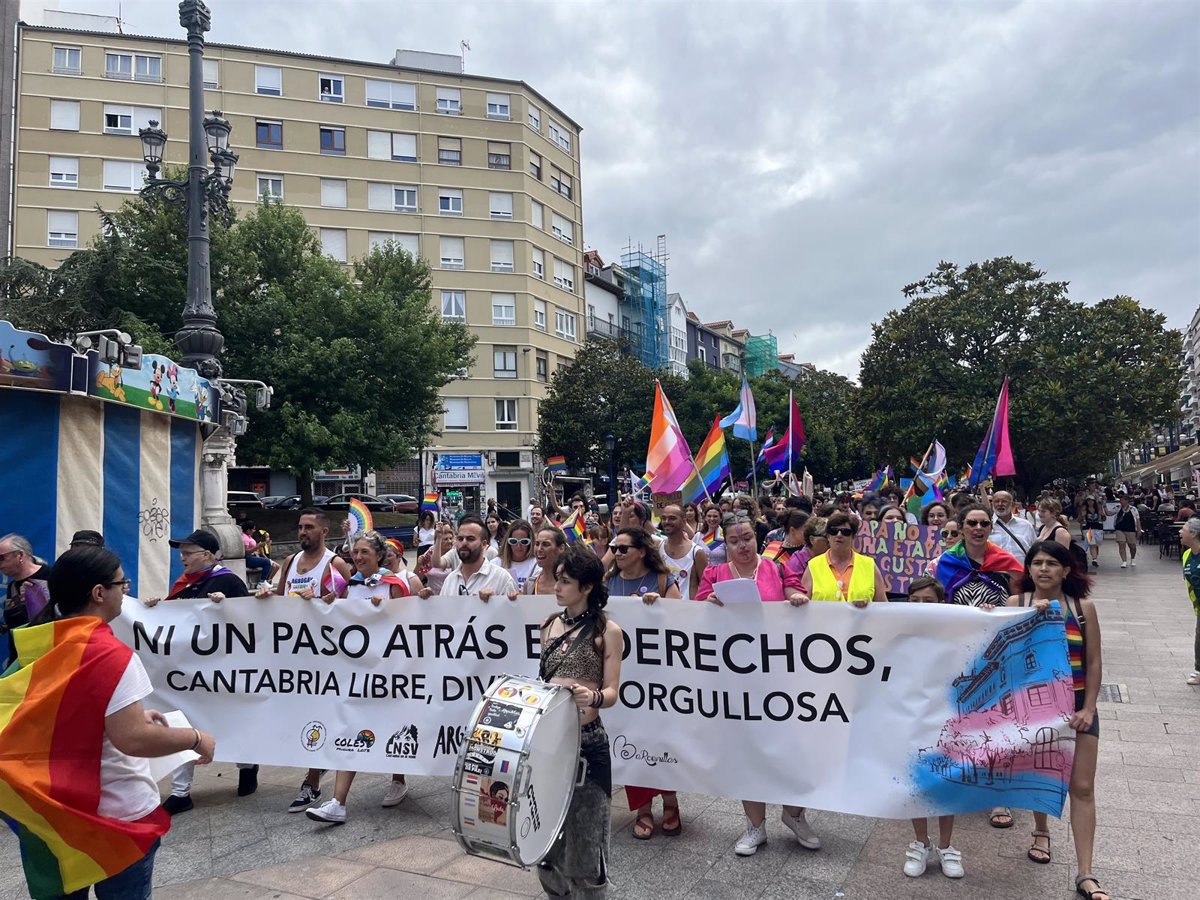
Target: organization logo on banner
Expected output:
[312,737]
[360,743]
[626,750]
[403,743]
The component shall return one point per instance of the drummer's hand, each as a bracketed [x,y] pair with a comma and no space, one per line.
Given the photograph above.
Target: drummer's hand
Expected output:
[649,598]
[486,594]
[583,696]
[425,593]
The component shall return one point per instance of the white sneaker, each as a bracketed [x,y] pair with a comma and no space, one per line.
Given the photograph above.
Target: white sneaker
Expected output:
[1194,678]
[802,830]
[1133,564]
[330,811]
[1124,565]
[396,793]
[749,842]
[916,857]
[951,861]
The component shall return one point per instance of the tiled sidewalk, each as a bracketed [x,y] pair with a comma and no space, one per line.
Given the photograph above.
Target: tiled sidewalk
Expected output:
[1148,798]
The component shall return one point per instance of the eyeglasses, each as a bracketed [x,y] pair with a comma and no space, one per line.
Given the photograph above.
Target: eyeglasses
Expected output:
[948,533]
[524,542]
[124,584]
[191,552]
[620,548]
[978,523]
[4,556]
[845,531]
[817,534]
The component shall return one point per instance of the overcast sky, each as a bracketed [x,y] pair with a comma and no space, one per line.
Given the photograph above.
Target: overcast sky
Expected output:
[806,159]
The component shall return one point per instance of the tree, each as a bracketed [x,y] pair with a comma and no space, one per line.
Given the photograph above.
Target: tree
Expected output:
[1084,379]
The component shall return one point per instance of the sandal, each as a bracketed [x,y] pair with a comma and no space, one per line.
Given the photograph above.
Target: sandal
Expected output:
[643,825]
[1001,812]
[1043,856]
[1090,895]
[671,814]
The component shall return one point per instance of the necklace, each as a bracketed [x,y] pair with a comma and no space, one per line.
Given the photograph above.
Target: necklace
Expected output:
[574,620]
[738,572]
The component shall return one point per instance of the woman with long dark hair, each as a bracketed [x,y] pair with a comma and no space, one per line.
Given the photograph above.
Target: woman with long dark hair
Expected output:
[581,649]
[638,567]
[1091,524]
[87,773]
[1051,574]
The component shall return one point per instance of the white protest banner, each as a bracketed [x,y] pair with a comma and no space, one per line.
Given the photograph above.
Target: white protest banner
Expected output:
[895,710]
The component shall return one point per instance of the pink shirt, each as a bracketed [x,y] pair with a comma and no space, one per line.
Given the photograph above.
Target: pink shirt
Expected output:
[249,542]
[770,584]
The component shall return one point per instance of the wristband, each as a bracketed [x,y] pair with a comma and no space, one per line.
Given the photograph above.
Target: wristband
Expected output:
[197,743]
[598,701]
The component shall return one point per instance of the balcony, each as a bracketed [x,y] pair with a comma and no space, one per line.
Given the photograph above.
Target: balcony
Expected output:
[605,330]
[731,362]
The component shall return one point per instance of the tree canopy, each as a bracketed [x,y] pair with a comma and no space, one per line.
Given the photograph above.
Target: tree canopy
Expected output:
[1084,379]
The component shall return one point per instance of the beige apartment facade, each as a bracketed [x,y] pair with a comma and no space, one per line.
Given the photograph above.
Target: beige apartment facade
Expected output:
[480,176]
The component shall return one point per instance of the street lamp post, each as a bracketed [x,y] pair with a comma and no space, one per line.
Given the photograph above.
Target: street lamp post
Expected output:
[203,193]
[610,444]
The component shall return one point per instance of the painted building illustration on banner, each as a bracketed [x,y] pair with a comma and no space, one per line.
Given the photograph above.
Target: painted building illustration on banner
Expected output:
[1009,727]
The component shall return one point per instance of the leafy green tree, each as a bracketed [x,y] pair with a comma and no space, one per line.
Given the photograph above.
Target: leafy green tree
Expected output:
[1084,379]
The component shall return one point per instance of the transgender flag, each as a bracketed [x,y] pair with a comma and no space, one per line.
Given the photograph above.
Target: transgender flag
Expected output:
[743,418]
[668,459]
[995,453]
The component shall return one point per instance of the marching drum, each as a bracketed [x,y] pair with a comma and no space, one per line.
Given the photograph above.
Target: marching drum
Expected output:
[516,771]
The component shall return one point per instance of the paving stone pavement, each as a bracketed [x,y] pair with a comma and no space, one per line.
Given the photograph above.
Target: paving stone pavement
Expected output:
[1147,791]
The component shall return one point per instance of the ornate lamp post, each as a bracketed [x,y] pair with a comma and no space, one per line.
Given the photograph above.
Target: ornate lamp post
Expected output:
[203,193]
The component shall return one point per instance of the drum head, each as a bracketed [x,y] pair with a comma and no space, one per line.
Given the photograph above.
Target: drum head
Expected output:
[548,776]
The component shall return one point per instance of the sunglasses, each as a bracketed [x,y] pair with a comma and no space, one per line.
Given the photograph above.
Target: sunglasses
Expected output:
[620,548]
[948,533]
[846,531]
[524,542]
[978,523]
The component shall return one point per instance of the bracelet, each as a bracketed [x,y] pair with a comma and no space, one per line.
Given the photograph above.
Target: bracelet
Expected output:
[197,743]
[598,701]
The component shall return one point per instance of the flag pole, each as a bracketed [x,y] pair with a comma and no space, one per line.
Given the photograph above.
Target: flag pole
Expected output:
[912,488]
[791,406]
[753,471]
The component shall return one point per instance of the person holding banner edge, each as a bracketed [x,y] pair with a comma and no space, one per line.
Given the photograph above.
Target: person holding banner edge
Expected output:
[581,649]
[1051,574]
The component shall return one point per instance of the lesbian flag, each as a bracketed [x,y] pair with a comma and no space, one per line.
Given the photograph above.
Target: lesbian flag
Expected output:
[668,459]
[712,466]
[995,453]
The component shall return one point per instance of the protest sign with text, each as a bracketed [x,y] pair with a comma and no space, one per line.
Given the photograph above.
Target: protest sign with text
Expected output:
[901,551]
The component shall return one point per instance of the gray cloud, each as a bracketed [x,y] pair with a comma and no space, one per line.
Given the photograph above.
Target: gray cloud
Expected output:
[806,160]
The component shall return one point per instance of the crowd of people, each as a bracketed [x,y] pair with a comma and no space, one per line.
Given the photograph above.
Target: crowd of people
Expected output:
[796,549]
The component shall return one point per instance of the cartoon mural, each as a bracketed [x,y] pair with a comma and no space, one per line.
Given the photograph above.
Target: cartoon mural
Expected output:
[160,384]
[33,361]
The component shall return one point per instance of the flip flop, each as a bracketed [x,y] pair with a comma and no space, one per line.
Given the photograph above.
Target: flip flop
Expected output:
[1001,812]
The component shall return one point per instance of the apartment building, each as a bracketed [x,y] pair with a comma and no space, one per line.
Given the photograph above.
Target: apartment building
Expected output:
[478,175]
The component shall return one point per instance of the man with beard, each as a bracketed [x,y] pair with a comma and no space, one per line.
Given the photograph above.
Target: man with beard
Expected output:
[683,556]
[316,571]
[475,573]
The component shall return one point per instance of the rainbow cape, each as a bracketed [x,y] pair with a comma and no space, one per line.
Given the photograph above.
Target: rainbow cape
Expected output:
[954,567]
[52,704]
[360,517]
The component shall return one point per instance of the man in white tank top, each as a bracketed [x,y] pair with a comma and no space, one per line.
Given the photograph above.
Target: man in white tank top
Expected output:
[684,556]
[304,575]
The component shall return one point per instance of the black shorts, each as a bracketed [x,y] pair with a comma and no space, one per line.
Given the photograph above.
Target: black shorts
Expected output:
[1094,731]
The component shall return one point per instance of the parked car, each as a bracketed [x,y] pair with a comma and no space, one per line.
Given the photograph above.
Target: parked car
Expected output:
[282,502]
[375,504]
[245,500]
[405,503]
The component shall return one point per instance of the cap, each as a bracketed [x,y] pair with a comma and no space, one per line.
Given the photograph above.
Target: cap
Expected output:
[87,539]
[205,540]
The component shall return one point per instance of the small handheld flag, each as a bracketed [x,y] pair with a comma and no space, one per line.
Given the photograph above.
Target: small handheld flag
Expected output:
[430,503]
[360,517]
[556,463]
[573,528]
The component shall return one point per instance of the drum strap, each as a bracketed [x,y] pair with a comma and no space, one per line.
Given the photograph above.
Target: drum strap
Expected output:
[582,632]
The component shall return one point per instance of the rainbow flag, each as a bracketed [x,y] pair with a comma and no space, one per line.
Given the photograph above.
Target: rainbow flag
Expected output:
[882,478]
[712,464]
[556,463]
[360,517]
[573,528]
[713,539]
[52,705]
[430,503]
[668,458]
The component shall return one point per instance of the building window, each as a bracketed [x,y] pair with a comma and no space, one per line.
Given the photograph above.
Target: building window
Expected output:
[449,101]
[409,242]
[268,135]
[333,243]
[1038,696]
[392,197]
[500,205]
[504,362]
[499,155]
[560,182]
[450,201]
[456,414]
[537,216]
[504,310]
[268,80]
[498,106]
[396,146]
[562,229]
[506,415]
[539,314]
[539,266]
[212,72]
[333,193]
[535,166]
[543,366]
[64,115]
[454,306]
[452,253]
[331,88]
[270,188]
[564,274]
[333,141]
[133,67]
[535,118]
[560,135]
[67,61]
[450,151]
[122,175]
[62,228]
[564,324]
[64,172]
[128,119]
[391,94]
[502,256]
